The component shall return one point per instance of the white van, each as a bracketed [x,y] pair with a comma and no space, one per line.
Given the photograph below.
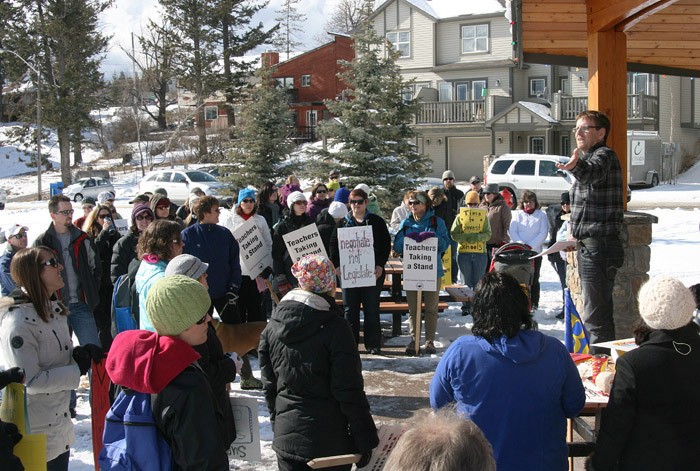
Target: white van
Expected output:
[535,172]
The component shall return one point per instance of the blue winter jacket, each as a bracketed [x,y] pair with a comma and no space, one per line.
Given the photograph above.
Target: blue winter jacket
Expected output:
[429,222]
[215,245]
[7,284]
[147,274]
[518,390]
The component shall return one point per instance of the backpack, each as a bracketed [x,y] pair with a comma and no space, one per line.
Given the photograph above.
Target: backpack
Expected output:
[125,302]
[131,439]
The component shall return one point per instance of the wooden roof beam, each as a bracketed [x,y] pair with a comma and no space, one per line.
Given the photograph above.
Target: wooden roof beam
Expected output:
[604,15]
[630,23]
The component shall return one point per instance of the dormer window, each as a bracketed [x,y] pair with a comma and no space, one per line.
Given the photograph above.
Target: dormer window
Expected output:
[475,38]
[401,42]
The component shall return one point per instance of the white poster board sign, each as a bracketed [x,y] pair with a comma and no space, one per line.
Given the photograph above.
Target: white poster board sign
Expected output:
[637,152]
[246,446]
[250,243]
[388,436]
[122,226]
[304,241]
[356,247]
[420,262]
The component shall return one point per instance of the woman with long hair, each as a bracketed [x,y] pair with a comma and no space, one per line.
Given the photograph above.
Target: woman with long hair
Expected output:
[518,385]
[100,226]
[34,336]
[268,205]
[295,219]
[159,243]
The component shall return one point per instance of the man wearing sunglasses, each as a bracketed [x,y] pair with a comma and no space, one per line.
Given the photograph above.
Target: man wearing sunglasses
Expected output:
[81,272]
[596,220]
[16,238]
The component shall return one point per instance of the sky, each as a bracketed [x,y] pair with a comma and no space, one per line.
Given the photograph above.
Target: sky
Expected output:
[131,16]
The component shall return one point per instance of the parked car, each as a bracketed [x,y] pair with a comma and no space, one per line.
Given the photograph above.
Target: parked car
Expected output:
[3,199]
[88,186]
[178,183]
[535,172]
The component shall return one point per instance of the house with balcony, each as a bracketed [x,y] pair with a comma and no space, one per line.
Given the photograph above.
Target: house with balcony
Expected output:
[309,79]
[479,99]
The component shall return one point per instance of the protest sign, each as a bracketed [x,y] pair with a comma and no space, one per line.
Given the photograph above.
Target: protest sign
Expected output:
[304,241]
[356,248]
[472,221]
[420,262]
[250,242]
[122,226]
[246,446]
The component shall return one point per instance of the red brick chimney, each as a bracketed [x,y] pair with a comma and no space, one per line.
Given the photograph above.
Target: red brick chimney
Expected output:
[270,58]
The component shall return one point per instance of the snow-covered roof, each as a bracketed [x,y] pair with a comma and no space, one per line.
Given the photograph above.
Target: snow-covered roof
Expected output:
[450,8]
[539,109]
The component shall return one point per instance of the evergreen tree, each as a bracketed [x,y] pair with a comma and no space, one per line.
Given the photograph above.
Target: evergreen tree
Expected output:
[264,139]
[197,53]
[373,129]
[290,26]
[238,37]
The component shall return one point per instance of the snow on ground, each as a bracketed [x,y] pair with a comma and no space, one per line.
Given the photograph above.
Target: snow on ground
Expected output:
[674,251]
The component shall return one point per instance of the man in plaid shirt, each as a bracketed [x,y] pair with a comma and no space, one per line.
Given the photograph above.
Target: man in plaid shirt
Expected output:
[596,220]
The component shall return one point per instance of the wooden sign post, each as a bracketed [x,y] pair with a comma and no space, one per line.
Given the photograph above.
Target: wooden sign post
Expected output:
[420,262]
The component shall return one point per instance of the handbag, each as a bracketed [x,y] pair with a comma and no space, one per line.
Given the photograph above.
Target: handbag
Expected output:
[32,448]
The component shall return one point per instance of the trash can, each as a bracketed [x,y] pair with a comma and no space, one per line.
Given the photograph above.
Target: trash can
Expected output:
[55,188]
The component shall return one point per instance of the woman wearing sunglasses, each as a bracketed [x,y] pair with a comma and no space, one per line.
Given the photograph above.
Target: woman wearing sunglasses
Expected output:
[295,219]
[34,335]
[16,238]
[419,225]
[124,259]
[319,200]
[99,225]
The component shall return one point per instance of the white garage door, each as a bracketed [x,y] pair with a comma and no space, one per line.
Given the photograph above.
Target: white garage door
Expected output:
[465,155]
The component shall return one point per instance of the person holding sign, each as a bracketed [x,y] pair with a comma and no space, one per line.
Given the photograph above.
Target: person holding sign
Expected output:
[312,375]
[295,219]
[471,229]
[250,305]
[420,225]
[348,251]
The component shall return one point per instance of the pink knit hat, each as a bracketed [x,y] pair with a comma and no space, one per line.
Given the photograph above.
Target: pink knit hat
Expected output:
[315,273]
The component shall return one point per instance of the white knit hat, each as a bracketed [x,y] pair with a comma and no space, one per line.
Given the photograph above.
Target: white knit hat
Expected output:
[364,187]
[665,303]
[337,209]
[295,196]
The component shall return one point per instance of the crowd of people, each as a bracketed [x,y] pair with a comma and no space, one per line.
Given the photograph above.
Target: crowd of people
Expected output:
[501,395]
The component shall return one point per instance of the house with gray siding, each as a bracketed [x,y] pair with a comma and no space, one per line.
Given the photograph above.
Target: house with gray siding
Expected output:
[478,100]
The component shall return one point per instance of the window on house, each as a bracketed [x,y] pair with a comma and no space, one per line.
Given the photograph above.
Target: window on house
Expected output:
[565,145]
[285,82]
[306,80]
[537,86]
[401,42]
[537,145]
[565,85]
[407,94]
[639,83]
[210,113]
[475,38]
[312,118]
[445,91]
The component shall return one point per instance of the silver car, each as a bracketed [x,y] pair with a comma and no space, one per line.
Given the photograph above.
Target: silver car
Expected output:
[179,182]
[3,199]
[88,186]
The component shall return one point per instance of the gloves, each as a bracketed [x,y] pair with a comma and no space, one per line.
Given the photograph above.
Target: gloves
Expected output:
[420,236]
[364,461]
[266,273]
[85,354]
[13,375]
[237,360]
[11,431]
[232,296]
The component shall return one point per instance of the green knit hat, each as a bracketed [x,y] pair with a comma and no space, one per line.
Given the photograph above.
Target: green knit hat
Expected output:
[175,303]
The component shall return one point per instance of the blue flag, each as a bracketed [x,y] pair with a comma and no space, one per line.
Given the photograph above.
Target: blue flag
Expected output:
[575,335]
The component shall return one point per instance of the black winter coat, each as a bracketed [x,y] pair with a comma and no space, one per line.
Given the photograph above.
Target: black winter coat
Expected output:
[281,261]
[123,253]
[326,225]
[312,376]
[652,421]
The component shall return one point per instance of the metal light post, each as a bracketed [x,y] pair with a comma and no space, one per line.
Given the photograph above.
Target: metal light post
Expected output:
[38,118]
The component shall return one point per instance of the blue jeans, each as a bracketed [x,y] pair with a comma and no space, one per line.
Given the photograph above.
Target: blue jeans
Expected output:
[472,266]
[81,320]
[598,260]
[368,297]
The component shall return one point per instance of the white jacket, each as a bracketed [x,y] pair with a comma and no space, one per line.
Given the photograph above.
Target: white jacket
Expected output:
[44,350]
[531,229]
[234,220]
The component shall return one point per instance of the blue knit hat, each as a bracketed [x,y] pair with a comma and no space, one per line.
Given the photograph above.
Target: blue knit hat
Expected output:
[342,195]
[246,193]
